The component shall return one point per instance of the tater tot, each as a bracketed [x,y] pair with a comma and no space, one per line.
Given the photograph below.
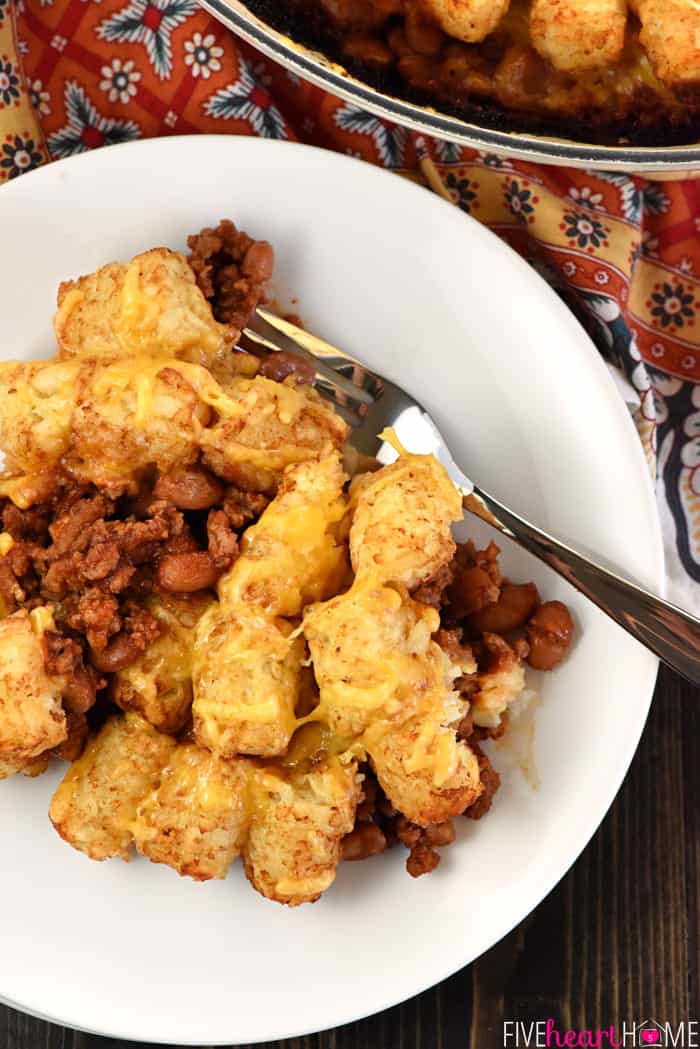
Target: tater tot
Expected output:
[401,521]
[38,398]
[671,35]
[246,683]
[106,421]
[468,20]
[197,818]
[271,426]
[96,803]
[247,659]
[372,656]
[424,770]
[575,35]
[150,306]
[32,720]
[384,683]
[293,845]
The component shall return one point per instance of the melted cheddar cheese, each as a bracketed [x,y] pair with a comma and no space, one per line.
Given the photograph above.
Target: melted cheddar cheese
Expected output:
[105,422]
[248,659]
[383,680]
[150,306]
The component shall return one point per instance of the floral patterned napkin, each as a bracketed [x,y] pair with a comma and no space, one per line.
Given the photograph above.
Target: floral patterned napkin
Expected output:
[623,252]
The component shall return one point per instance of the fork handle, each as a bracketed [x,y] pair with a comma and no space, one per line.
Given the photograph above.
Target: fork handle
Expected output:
[669,632]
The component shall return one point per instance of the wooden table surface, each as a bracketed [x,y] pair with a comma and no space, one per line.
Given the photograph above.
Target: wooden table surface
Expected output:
[618,939]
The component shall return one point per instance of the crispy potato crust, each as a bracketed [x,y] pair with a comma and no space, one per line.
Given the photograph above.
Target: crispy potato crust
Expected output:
[247,660]
[150,306]
[32,720]
[577,35]
[293,846]
[95,806]
[401,520]
[197,818]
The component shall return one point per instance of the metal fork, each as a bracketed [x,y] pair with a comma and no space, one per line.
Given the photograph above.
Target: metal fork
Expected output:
[371,403]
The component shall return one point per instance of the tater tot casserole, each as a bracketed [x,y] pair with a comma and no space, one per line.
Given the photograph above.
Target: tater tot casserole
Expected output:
[611,71]
[243,639]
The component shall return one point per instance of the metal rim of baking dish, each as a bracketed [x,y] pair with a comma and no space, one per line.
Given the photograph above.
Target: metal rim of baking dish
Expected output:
[311,65]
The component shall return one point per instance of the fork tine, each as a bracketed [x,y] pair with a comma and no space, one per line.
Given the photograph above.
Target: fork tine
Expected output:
[317,351]
[343,410]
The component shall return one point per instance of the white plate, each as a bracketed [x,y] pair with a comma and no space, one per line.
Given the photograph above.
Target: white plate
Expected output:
[436,302]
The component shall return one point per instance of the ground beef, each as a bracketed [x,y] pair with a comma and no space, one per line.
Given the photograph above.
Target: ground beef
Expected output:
[88,550]
[139,630]
[423,843]
[223,541]
[243,507]
[490,781]
[95,614]
[18,580]
[70,528]
[11,590]
[30,524]
[63,657]
[450,641]
[378,826]
[494,653]
[92,566]
[232,270]
[61,654]
[432,591]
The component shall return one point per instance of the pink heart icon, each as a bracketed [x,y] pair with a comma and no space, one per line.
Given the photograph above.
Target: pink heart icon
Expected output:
[650,1037]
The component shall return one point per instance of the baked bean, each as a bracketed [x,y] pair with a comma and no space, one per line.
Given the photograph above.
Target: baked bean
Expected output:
[365,840]
[514,607]
[472,590]
[186,573]
[423,859]
[80,690]
[549,635]
[193,488]
[259,262]
[283,363]
[124,650]
[440,833]
[73,744]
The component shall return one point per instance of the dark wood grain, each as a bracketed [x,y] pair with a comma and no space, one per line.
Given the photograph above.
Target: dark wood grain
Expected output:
[618,939]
